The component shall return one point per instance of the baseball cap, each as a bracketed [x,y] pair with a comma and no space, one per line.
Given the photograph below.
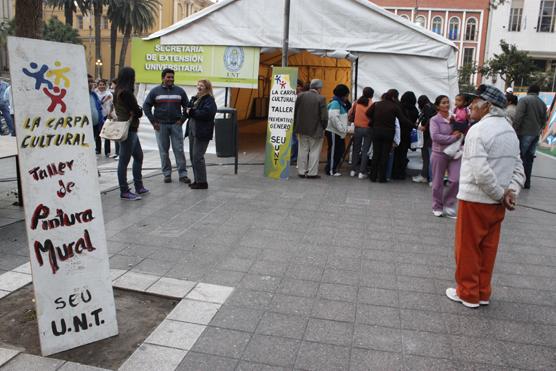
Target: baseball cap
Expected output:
[492,95]
[509,90]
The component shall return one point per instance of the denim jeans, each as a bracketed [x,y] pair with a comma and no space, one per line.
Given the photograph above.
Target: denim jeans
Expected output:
[527,148]
[5,111]
[131,147]
[295,147]
[197,150]
[361,143]
[171,133]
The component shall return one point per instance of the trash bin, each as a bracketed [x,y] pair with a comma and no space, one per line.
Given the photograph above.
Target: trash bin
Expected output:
[225,133]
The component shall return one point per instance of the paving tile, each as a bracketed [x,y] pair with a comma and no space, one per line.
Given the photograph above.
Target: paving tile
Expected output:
[175,334]
[380,280]
[304,272]
[4,293]
[417,363]
[210,293]
[367,359]
[194,311]
[72,366]
[334,310]
[116,273]
[259,282]
[419,300]
[30,362]
[473,349]
[426,344]
[251,366]
[271,350]
[7,354]
[11,281]
[376,296]
[223,277]
[171,287]
[376,315]
[124,262]
[154,267]
[285,325]
[340,277]
[206,362]
[521,332]
[322,357]
[292,286]
[153,357]
[135,281]
[416,284]
[423,321]
[250,298]
[222,342]
[345,263]
[292,304]
[528,356]
[332,291]
[378,338]
[237,318]
[330,332]
[24,268]
[270,268]
[466,325]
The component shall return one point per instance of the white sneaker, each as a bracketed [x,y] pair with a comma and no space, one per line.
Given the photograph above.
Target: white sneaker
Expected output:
[484,302]
[362,176]
[452,295]
[352,173]
[437,213]
[450,212]
[337,174]
[430,184]
[419,179]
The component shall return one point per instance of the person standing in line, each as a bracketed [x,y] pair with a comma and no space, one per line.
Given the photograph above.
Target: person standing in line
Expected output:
[407,102]
[5,106]
[200,129]
[362,133]
[492,175]
[126,108]
[310,121]
[337,128]
[511,108]
[427,111]
[530,119]
[442,135]
[105,97]
[96,112]
[294,143]
[112,115]
[170,103]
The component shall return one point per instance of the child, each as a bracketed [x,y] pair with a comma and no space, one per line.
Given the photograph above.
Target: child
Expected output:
[460,119]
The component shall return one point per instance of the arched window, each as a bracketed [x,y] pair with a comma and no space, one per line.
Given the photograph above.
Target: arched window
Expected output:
[437,23]
[405,16]
[421,21]
[453,28]
[180,11]
[471,29]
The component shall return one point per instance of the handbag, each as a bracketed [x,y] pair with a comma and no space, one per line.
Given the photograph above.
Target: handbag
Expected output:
[115,130]
[454,150]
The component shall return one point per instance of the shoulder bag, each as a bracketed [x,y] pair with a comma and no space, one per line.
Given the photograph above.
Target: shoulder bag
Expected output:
[115,130]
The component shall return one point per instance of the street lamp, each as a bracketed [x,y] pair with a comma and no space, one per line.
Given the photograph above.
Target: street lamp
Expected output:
[98,63]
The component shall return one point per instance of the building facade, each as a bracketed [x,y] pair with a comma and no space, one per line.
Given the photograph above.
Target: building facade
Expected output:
[531,26]
[464,22]
[6,13]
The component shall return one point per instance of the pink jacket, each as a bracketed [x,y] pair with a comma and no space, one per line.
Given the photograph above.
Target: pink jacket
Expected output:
[441,131]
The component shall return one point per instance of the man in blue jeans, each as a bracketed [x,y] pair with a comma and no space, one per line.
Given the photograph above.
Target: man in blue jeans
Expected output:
[170,104]
[530,119]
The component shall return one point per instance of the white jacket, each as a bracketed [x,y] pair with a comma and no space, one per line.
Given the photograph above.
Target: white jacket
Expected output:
[491,161]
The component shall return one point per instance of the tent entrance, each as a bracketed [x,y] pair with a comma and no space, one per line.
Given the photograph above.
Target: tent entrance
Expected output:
[252,105]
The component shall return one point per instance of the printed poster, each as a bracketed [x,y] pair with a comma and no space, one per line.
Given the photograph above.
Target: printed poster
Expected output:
[63,211]
[280,122]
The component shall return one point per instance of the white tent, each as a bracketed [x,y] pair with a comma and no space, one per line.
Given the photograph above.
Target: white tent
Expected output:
[392,52]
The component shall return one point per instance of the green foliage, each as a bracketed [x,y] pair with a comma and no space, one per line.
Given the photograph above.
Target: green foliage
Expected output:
[465,75]
[54,30]
[512,65]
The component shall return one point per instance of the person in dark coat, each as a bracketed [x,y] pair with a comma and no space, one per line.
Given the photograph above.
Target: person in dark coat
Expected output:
[200,129]
[407,102]
[427,111]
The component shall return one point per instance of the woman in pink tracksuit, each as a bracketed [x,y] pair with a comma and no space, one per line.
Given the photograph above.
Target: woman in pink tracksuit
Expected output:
[442,135]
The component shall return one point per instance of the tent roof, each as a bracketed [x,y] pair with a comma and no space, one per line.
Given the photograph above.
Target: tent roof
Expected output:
[351,25]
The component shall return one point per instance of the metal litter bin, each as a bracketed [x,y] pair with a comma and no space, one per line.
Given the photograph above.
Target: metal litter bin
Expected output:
[226,133]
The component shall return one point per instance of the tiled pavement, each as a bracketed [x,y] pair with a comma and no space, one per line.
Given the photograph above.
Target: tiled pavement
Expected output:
[337,273]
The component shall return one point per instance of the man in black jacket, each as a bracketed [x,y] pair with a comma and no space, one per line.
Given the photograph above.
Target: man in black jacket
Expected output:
[170,103]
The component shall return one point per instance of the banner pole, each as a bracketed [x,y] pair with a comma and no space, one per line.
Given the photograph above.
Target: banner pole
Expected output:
[286,38]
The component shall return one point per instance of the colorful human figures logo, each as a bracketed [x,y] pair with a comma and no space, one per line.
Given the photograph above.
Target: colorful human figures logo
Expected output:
[53,89]
[281,81]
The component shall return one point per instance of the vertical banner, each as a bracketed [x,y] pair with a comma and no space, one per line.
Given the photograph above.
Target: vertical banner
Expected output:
[63,211]
[280,122]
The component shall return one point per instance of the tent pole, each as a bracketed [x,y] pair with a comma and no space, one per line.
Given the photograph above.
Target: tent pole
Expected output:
[356,78]
[226,98]
[286,38]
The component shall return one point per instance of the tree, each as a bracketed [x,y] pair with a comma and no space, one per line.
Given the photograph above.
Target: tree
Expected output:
[113,37]
[70,7]
[512,65]
[54,30]
[133,16]
[465,74]
[97,11]
[28,18]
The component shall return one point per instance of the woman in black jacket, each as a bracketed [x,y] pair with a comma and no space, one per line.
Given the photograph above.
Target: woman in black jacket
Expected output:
[200,129]
[126,108]
[407,103]
[427,111]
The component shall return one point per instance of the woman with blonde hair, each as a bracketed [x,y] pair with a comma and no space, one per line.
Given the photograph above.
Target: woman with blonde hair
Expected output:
[200,128]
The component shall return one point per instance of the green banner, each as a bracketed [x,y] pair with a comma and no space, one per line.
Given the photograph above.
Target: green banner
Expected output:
[224,66]
[280,122]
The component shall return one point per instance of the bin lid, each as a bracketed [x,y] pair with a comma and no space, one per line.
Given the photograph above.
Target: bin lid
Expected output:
[226,110]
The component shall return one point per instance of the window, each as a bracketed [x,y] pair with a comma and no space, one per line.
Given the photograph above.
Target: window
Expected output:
[546,16]
[468,56]
[471,29]
[421,21]
[80,22]
[104,22]
[437,25]
[516,14]
[405,16]
[453,30]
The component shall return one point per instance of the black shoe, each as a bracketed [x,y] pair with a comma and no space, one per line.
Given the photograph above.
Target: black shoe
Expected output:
[185,179]
[167,179]
[199,186]
[313,176]
[302,175]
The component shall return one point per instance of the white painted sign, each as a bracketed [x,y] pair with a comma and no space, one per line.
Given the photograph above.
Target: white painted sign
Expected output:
[63,211]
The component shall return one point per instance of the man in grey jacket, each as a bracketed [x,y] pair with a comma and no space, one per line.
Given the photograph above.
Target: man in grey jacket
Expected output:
[170,104]
[530,118]
[310,120]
